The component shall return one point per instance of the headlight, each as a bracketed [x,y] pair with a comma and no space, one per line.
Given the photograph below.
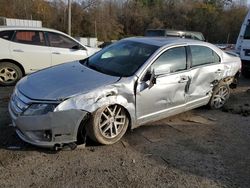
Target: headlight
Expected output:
[39,109]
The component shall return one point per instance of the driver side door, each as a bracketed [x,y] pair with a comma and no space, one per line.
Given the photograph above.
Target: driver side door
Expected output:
[166,96]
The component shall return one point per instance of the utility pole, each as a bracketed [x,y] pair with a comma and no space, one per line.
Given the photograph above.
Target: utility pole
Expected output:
[69,17]
[95,30]
[228,37]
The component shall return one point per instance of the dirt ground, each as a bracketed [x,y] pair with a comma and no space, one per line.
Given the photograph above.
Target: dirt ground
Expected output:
[199,148]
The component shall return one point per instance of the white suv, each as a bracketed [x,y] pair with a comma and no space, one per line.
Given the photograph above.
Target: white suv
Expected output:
[25,50]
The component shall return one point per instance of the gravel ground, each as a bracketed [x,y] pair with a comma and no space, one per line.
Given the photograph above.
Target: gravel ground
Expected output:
[199,148]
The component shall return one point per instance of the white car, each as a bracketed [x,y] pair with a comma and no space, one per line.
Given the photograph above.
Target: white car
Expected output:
[25,50]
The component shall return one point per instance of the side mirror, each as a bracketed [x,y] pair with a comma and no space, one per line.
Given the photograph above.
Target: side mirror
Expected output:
[162,69]
[152,80]
[76,47]
[148,81]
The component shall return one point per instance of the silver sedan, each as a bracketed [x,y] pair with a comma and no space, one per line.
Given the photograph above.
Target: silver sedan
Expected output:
[128,84]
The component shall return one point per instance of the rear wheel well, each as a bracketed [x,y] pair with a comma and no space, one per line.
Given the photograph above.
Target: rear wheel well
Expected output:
[14,62]
[231,81]
[235,81]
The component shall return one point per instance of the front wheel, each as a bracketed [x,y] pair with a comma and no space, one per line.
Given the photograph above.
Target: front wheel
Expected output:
[108,124]
[220,96]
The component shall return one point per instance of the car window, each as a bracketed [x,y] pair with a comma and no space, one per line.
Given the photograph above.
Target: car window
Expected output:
[61,41]
[30,37]
[174,60]
[7,35]
[202,55]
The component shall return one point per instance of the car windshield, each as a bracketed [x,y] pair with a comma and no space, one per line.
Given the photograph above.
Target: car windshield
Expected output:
[122,59]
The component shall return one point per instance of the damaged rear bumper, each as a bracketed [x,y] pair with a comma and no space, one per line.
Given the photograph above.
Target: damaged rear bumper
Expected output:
[49,130]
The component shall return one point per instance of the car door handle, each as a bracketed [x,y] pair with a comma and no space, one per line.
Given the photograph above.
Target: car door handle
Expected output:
[56,53]
[218,71]
[183,79]
[18,50]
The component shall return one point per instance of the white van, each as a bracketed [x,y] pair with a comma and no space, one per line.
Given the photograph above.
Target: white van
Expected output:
[243,45]
[24,50]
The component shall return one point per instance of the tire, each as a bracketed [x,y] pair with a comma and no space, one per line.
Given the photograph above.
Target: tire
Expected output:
[9,74]
[108,124]
[220,96]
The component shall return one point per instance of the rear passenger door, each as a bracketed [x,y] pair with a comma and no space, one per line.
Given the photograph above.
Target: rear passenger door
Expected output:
[5,38]
[29,48]
[64,49]
[205,69]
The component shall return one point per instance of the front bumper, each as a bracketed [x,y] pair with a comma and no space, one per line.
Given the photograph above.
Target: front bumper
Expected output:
[49,130]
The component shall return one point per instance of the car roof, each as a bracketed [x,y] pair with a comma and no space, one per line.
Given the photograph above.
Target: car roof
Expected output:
[167,41]
[4,28]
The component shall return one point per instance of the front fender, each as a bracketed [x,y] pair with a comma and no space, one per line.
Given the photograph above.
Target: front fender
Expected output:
[90,102]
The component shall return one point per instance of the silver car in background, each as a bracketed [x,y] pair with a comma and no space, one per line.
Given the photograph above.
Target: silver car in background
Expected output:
[130,83]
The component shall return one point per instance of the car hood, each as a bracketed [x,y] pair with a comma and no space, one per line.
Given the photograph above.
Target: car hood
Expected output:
[63,81]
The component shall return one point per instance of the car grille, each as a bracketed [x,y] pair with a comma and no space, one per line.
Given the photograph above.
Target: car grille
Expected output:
[18,103]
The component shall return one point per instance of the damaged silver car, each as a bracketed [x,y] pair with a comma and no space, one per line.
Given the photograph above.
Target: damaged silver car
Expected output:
[128,84]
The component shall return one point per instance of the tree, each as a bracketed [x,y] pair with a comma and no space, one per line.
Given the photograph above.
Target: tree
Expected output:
[114,19]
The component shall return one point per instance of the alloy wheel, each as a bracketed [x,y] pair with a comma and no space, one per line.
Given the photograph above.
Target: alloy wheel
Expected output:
[220,97]
[112,121]
[8,74]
